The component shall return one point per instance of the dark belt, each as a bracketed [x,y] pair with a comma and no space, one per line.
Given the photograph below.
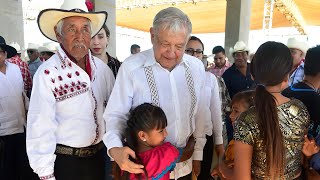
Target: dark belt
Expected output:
[79,152]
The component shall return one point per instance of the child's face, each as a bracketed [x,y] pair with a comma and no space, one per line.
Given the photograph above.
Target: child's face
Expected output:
[156,137]
[237,109]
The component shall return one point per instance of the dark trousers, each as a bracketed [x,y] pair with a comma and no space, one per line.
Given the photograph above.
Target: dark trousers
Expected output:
[206,162]
[80,168]
[187,177]
[14,163]
[108,165]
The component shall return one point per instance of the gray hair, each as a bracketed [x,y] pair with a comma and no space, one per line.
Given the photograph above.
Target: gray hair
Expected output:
[60,25]
[173,19]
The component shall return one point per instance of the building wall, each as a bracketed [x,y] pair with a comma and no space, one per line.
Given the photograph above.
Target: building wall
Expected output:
[11,20]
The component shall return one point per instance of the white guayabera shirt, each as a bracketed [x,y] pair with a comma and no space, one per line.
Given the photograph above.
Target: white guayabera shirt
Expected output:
[178,94]
[12,101]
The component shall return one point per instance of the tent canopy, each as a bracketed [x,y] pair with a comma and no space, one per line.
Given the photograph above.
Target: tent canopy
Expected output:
[210,16]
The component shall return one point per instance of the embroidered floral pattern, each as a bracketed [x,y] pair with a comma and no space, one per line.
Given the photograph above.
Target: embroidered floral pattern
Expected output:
[69,90]
[95,118]
[47,72]
[46,177]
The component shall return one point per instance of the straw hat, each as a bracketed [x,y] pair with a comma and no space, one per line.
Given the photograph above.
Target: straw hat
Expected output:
[240,46]
[48,18]
[296,44]
[11,51]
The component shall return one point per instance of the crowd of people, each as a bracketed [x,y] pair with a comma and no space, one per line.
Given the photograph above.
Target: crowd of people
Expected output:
[75,112]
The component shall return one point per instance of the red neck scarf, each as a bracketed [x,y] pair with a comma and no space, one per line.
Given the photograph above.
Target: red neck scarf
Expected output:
[87,62]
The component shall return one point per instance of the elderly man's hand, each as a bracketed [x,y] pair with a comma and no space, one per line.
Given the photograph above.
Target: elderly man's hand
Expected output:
[188,150]
[121,156]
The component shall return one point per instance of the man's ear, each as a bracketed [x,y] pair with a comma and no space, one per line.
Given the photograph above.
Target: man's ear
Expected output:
[59,36]
[152,35]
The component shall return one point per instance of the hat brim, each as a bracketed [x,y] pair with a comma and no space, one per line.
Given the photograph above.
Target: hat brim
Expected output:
[11,51]
[49,18]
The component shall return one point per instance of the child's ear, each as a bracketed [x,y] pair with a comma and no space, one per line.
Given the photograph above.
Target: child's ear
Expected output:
[142,135]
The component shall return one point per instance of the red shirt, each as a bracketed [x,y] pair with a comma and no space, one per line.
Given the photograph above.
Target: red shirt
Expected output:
[27,80]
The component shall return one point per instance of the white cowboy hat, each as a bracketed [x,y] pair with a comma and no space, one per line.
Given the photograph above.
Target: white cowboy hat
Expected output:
[17,47]
[295,44]
[33,46]
[48,47]
[240,46]
[48,18]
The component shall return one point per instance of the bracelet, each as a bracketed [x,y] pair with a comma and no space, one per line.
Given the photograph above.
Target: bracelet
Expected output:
[46,177]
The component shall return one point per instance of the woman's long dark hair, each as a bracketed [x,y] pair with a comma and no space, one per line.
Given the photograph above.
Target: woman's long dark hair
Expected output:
[272,63]
[145,117]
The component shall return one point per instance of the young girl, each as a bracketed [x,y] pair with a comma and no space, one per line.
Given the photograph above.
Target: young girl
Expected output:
[145,134]
[269,136]
[241,102]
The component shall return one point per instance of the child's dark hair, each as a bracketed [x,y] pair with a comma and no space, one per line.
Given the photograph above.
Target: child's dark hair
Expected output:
[271,64]
[145,117]
[244,96]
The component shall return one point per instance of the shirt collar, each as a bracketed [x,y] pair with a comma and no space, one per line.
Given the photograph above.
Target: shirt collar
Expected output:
[90,64]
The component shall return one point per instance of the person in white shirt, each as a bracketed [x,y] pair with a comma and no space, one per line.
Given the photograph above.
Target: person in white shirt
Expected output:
[13,106]
[166,77]
[65,124]
[212,102]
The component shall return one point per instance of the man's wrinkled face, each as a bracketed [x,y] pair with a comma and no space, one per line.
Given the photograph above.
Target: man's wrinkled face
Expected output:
[75,36]
[169,47]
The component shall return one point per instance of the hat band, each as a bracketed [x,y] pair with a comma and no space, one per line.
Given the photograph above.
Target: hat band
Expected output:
[77,10]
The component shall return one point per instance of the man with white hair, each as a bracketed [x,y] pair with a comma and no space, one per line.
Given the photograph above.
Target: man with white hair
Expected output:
[34,60]
[298,51]
[65,124]
[164,76]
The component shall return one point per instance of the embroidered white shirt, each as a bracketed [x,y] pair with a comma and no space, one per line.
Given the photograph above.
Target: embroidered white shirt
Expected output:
[131,89]
[66,107]
[12,98]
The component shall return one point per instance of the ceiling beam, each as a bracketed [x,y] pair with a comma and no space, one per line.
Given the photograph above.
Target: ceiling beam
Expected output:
[292,13]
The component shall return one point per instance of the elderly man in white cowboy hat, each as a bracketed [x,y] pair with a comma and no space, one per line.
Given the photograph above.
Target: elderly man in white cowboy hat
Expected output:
[34,59]
[298,51]
[65,124]
[237,77]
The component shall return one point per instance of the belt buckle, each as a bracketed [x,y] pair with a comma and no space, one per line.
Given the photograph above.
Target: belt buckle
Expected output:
[84,152]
